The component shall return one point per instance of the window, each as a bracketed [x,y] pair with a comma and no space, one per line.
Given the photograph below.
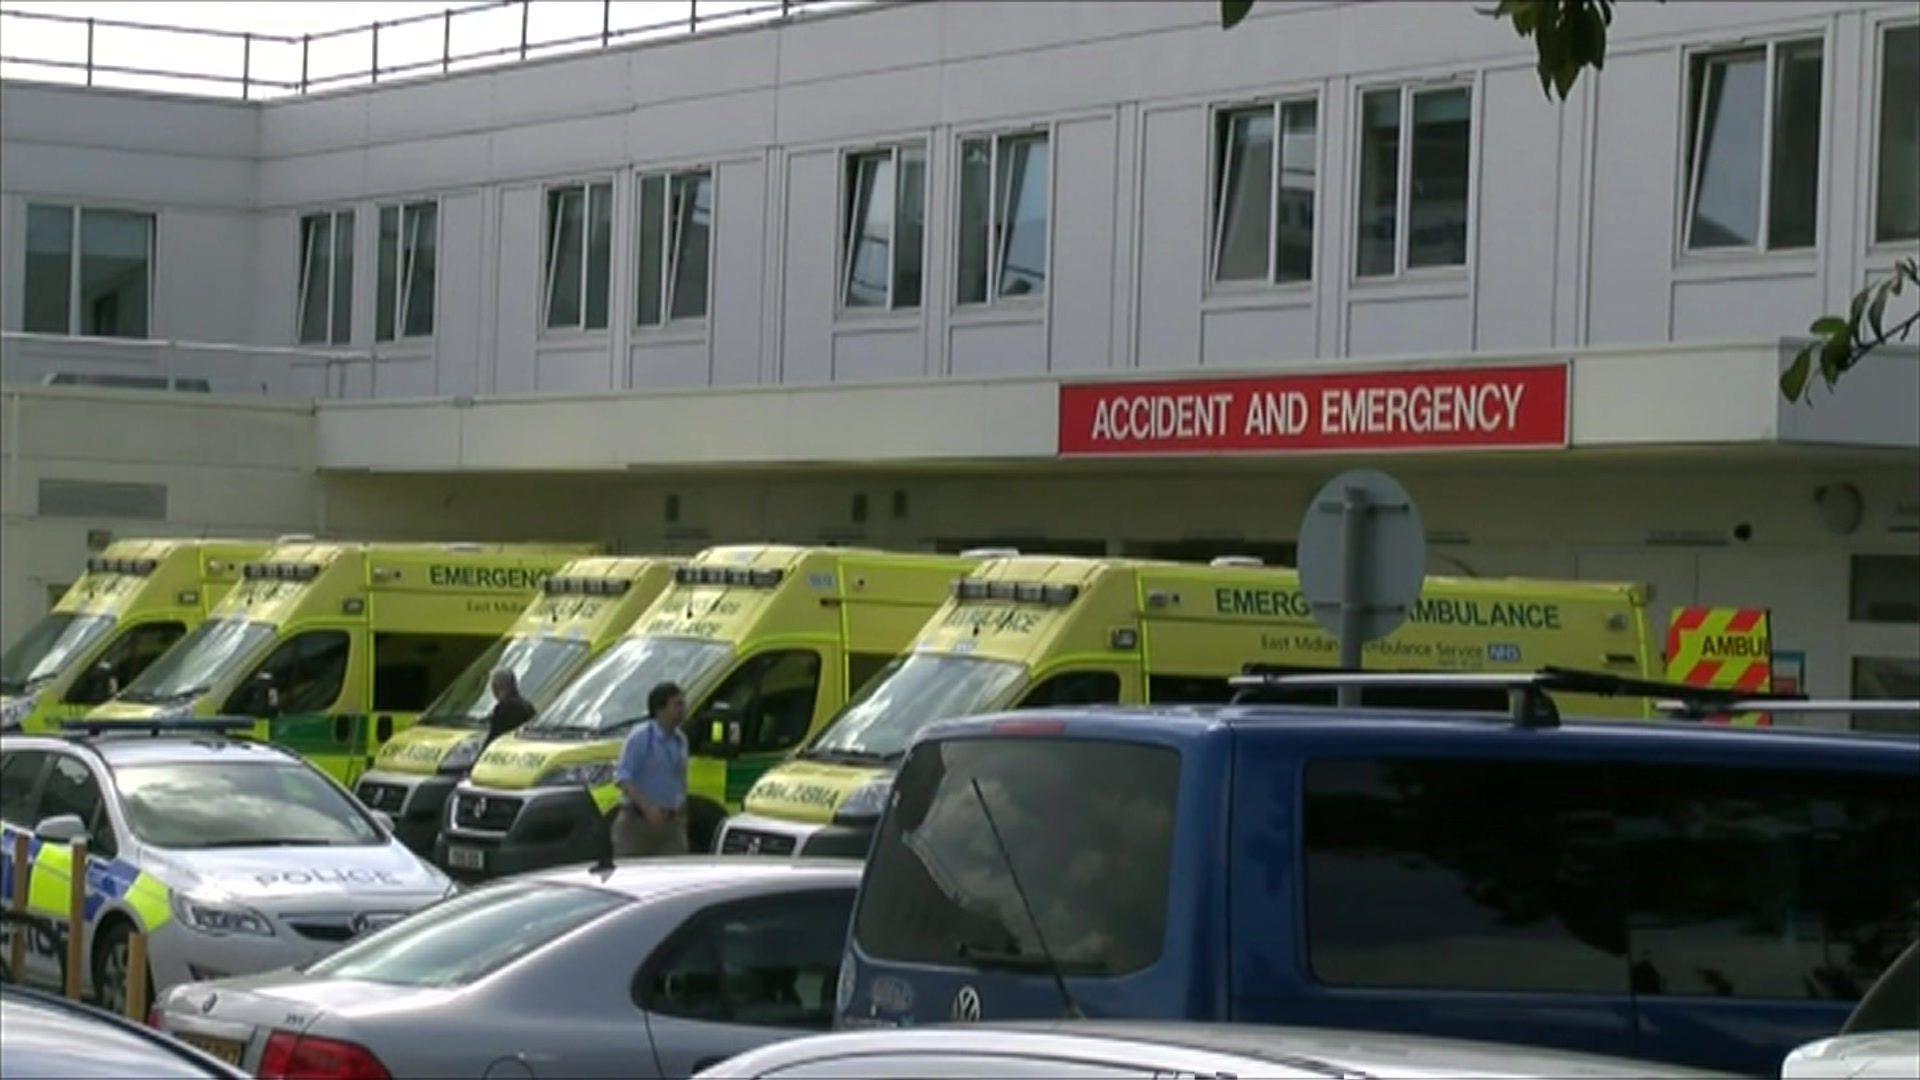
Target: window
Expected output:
[675,237]
[409,239]
[1074,688]
[19,773]
[769,699]
[1897,184]
[1753,152]
[884,227]
[1885,589]
[123,661]
[579,255]
[1882,678]
[303,675]
[1767,884]
[1188,689]
[326,278]
[1416,150]
[1264,192]
[1467,875]
[938,890]
[410,670]
[765,964]
[1004,195]
[71,788]
[107,291]
[472,935]
[201,804]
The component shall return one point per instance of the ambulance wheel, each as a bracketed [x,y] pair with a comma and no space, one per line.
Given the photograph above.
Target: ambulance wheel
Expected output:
[111,954]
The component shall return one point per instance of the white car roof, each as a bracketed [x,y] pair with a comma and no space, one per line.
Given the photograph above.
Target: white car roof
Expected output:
[1305,1051]
[140,748]
[1876,1055]
[723,875]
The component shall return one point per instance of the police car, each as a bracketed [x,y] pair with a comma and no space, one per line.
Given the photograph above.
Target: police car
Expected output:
[232,856]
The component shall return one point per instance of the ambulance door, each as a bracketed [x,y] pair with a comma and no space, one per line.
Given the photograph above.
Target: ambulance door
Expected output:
[761,712]
[311,691]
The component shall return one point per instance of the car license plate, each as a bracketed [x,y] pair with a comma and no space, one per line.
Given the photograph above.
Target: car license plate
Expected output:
[466,858]
[226,1050]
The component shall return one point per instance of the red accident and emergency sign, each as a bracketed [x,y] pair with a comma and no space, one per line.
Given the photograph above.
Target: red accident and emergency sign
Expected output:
[1442,409]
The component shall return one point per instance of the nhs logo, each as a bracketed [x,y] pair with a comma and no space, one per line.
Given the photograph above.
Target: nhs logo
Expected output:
[1503,654]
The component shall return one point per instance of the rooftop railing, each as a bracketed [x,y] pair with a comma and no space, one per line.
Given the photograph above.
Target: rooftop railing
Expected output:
[91,51]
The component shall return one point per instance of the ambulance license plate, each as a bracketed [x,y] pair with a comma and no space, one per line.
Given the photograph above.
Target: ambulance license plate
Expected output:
[226,1050]
[466,858]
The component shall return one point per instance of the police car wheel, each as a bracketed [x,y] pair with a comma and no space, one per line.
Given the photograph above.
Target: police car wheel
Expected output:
[110,958]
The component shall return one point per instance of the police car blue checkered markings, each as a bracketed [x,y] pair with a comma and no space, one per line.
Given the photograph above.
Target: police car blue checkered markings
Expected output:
[232,857]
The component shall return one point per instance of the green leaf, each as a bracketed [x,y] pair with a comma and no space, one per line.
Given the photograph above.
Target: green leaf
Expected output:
[1829,325]
[1232,11]
[1835,358]
[1793,381]
[1859,305]
[1874,312]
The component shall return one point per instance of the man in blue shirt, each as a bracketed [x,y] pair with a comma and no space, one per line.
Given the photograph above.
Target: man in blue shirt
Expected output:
[652,774]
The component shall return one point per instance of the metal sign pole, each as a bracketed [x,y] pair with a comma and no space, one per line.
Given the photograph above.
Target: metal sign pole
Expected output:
[1354,511]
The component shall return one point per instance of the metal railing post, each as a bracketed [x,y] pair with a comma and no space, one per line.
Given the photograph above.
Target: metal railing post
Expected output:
[246,67]
[89,51]
[306,44]
[375,72]
[606,22]
[446,42]
[526,12]
[693,16]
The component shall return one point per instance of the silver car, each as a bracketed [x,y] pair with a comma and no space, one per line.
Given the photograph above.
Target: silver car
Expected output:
[1146,1050]
[656,967]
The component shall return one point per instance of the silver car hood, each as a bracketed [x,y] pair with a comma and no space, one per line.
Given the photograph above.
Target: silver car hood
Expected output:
[304,878]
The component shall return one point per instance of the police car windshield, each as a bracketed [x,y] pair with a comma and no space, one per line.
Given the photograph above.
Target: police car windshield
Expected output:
[910,694]
[612,692]
[54,642]
[538,664]
[200,658]
[222,804]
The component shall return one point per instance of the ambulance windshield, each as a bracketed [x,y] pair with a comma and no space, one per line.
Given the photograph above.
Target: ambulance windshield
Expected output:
[612,693]
[193,665]
[539,666]
[54,642]
[907,696]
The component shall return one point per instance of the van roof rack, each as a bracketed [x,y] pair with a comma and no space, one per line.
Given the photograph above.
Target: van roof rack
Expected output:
[1529,703]
[214,725]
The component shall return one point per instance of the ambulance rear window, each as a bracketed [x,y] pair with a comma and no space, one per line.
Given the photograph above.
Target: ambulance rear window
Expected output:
[1092,854]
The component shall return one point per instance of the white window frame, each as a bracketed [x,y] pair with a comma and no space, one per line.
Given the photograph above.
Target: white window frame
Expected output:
[670,248]
[849,222]
[1691,159]
[1216,159]
[333,216]
[74,257]
[403,267]
[1880,30]
[996,241]
[549,251]
[1403,178]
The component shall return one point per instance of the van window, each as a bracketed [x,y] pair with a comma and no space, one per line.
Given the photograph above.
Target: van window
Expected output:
[1469,875]
[125,658]
[410,670]
[770,696]
[308,669]
[862,667]
[1093,856]
[1074,688]
[1767,884]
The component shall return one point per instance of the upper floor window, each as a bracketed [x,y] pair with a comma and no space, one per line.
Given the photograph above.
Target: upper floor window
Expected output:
[326,278]
[579,252]
[1753,148]
[1897,194]
[676,237]
[88,271]
[409,240]
[884,227]
[1004,196]
[1416,152]
[1264,183]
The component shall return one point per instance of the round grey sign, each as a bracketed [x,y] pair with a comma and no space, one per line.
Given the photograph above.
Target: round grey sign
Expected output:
[1363,555]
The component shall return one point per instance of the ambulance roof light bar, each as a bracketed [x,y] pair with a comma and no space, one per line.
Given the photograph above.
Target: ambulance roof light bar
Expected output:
[1528,700]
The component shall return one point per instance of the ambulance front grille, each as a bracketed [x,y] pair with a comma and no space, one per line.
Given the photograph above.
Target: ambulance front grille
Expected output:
[493,813]
[755,842]
[385,797]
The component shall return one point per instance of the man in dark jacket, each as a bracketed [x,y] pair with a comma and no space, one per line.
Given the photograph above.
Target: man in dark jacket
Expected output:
[510,710]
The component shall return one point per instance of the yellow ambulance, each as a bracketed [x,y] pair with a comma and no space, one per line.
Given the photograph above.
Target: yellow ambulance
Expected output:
[767,641]
[337,647]
[1031,632]
[136,599]
[580,611]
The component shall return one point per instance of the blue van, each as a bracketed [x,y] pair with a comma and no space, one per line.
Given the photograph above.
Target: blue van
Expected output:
[1692,894]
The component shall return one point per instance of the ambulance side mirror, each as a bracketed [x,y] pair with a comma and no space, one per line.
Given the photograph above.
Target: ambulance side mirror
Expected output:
[266,694]
[61,829]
